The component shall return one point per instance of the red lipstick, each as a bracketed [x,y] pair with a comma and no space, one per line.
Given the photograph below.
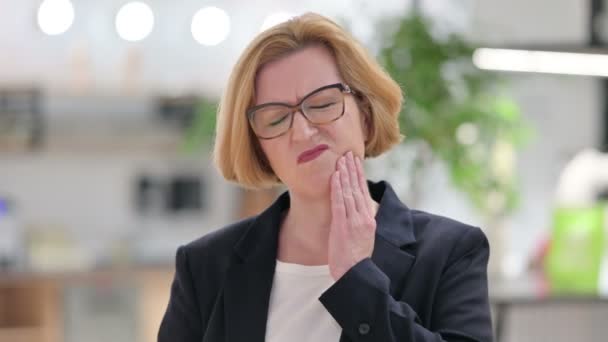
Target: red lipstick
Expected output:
[311,154]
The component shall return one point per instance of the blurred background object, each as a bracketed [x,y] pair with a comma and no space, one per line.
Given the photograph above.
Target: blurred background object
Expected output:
[457,115]
[579,249]
[21,122]
[12,242]
[107,113]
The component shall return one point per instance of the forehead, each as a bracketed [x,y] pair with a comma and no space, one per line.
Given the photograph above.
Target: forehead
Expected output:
[290,78]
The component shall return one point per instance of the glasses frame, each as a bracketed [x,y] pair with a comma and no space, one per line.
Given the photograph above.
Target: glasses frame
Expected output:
[345,89]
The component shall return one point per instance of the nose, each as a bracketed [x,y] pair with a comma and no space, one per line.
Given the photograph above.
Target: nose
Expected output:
[301,128]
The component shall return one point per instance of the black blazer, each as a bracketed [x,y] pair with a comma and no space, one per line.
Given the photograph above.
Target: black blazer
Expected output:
[426,281]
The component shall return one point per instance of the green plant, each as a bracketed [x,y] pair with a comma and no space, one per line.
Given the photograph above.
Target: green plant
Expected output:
[199,134]
[455,112]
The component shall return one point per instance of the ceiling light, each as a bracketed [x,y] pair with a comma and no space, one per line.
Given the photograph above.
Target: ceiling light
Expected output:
[134,21]
[567,63]
[210,26]
[55,16]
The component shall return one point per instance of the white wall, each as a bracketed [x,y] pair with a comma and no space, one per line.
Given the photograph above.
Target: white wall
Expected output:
[92,197]
[531,22]
[91,57]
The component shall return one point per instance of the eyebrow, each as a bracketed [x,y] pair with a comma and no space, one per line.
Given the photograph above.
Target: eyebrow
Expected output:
[299,99]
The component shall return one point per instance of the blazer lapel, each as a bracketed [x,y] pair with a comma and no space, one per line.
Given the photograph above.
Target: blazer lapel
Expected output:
[394,232]
[249,278]
[246,300]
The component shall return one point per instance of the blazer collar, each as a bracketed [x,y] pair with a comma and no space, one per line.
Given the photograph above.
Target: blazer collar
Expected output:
[249,278]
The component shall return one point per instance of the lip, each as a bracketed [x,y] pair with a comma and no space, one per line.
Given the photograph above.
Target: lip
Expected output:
[311,154]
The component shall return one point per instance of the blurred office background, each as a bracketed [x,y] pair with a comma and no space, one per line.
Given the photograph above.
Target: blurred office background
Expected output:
[104,170]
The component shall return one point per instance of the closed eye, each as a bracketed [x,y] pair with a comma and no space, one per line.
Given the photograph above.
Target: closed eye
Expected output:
[326,105]
[277,122]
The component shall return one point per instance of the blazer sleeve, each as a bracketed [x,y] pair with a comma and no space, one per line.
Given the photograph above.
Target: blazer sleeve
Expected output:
[361,303]
[182,319]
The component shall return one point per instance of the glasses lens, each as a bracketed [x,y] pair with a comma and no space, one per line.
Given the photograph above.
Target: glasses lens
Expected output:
[324,106]
[270,121]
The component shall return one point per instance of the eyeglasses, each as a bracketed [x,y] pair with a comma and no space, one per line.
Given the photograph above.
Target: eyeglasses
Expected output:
[321,106]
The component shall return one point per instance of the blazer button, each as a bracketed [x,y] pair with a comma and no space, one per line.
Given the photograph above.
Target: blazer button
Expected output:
[364,328]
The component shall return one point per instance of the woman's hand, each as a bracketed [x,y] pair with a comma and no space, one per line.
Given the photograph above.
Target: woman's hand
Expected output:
[353,226]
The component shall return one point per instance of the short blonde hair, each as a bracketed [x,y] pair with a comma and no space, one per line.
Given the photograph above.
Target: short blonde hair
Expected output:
[237,153]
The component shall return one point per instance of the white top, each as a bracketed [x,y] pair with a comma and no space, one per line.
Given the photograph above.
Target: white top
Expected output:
[295,312]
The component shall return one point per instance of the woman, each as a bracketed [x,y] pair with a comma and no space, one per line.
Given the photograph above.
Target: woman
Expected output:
[335,258]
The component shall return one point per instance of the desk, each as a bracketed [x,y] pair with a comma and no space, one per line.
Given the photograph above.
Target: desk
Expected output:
[530,290]
[33,305]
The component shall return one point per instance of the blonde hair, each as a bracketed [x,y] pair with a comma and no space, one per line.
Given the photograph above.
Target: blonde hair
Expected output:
[237,153]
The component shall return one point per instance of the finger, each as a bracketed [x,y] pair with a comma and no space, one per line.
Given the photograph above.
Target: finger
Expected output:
[337,202]
[363,182]
[360,200]
[347,191]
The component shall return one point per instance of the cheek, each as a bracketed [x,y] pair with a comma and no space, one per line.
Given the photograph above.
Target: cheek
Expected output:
[351,136]
[353,126]
[275,152]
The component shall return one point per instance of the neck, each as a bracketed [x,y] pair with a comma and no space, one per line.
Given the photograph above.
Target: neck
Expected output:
[305,231]
[304,234]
